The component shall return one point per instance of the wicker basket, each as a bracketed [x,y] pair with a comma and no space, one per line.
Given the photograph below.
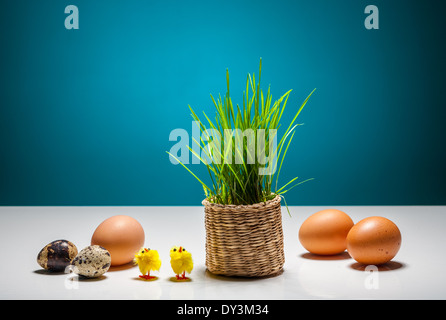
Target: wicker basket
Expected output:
[244,240]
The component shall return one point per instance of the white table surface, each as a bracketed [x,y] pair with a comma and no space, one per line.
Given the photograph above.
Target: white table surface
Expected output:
[417,272]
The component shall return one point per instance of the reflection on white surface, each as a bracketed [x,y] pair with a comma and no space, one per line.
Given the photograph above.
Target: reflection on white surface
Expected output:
[182,291]
[218,286]
[153,291]
[416,272]
[375,282]
[322,278]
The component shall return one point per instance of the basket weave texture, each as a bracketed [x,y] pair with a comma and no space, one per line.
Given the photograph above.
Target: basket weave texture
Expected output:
[244,240]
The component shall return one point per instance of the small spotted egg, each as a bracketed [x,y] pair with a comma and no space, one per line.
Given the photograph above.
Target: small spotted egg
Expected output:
[92,262]
[57,255]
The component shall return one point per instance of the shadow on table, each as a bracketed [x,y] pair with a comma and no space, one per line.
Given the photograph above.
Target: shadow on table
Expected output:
[122,267]
[389,266]
[87,279]
[138,278]
[340,256]
[70,275]
[236,278]
[111,269]
[49,272]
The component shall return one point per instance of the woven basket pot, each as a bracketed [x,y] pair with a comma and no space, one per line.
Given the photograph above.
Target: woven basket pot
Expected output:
[244,240]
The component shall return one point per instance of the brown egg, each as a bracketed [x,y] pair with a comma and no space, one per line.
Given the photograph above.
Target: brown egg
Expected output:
[325,232]
[374,240]
[122,236]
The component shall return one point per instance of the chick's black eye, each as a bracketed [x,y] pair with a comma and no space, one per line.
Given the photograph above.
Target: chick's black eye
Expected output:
[142,251]
[174,250]
[184,249]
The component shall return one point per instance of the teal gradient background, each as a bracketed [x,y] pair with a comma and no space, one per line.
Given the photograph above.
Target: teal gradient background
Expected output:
[86,114]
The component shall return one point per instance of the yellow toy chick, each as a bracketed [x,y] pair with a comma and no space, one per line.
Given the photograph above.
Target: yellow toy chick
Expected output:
[181,262]
[147,260]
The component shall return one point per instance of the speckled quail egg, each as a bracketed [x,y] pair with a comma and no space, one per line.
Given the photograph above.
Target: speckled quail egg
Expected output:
[57,255]
[92,262]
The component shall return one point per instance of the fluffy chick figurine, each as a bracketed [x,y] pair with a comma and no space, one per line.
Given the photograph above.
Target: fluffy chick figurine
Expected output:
[147,260]
[181,262]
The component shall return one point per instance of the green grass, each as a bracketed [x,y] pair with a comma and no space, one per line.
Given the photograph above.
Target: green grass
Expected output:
[241,182]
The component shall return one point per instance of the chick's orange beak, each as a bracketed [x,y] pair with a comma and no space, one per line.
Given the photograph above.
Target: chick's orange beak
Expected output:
[146,249]
[181,249]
